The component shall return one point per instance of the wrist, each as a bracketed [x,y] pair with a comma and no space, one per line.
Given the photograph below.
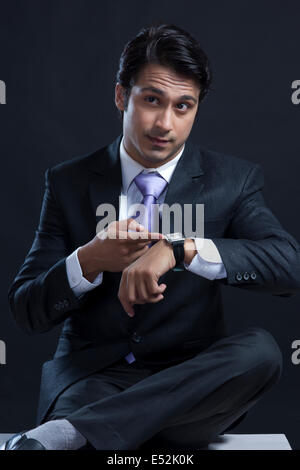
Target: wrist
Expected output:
[89,267]
[170,250]
[189,250]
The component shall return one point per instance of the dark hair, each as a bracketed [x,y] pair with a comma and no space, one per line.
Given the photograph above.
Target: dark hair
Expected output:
[168,45]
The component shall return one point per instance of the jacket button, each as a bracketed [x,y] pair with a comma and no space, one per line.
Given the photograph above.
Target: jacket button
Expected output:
[136,338]
[246,276]
[253,275]
[57,306]
[239,277]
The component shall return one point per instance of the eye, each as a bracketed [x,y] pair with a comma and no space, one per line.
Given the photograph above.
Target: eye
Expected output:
[187,106]
[150,99]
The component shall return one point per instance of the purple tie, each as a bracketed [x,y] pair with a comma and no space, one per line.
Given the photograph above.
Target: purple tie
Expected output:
[151,186]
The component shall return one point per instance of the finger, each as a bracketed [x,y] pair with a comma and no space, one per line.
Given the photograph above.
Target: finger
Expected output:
[145,297]
[150,299]
[154,288]
[134,225]
[162,287]
[135,254]
[124,235]
[128,307]
[154,299]
[123,224]
[145,235]
[131,289]
[132,236]
[141,291]
[120,225]
[157,235]
[122,295]
[130,310]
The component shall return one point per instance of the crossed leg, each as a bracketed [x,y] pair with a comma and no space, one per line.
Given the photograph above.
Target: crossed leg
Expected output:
[184,406]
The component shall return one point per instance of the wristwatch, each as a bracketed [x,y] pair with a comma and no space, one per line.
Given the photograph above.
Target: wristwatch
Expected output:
[177,242]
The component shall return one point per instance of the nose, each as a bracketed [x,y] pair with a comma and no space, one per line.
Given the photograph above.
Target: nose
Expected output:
[164,120]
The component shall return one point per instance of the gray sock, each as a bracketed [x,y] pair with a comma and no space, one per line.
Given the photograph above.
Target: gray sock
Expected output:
[58,434]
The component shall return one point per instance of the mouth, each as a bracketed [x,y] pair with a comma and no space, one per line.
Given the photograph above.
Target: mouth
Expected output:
[158,141]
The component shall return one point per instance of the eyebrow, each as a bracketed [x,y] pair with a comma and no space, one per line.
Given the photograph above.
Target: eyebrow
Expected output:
[162,93]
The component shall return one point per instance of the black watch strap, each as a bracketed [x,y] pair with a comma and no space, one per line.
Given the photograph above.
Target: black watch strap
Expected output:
[178,250]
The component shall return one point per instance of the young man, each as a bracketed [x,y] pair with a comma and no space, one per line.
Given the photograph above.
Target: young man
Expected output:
[141,362]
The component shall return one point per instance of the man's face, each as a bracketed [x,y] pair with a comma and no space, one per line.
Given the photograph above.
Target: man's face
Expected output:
[161,110]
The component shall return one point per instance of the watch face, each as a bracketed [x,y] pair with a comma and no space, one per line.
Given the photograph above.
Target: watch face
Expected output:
[175,236]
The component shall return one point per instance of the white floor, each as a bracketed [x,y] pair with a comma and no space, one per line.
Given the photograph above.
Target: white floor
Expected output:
[251,442]
[235,442]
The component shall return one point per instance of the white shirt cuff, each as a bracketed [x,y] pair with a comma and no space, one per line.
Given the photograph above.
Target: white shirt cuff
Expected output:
[208,262]
[79,284]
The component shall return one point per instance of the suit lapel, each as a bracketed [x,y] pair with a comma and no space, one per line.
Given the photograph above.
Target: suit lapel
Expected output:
[187,182]
[106,179]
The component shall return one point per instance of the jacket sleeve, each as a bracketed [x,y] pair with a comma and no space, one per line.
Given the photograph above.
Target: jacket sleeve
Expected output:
[257,252]
[40,296]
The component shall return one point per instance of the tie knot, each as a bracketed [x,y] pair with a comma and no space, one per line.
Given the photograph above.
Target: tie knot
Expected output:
[150,184]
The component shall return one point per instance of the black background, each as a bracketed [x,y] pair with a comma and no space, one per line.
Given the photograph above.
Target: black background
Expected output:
[59,60]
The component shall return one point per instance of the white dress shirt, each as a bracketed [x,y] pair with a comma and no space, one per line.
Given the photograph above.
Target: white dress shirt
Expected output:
[206,263]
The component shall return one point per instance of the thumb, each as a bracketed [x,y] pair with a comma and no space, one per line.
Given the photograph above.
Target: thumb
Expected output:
[123,224]
[134,225]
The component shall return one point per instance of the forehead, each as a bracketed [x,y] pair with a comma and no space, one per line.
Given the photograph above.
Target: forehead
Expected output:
[166,79]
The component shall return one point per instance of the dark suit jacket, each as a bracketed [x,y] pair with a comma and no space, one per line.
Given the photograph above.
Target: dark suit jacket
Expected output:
[257,252]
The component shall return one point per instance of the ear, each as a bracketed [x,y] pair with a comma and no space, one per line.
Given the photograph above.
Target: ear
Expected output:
[119,97]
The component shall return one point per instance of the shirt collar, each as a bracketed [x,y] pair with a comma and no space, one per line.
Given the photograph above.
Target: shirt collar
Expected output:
[131,168]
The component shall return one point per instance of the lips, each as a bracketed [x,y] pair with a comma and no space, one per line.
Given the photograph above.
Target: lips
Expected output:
[157,140]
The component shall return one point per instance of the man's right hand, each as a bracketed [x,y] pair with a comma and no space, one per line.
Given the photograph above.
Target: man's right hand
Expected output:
[115,248]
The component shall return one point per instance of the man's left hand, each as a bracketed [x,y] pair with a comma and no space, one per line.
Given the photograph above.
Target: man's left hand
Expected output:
[139,282]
